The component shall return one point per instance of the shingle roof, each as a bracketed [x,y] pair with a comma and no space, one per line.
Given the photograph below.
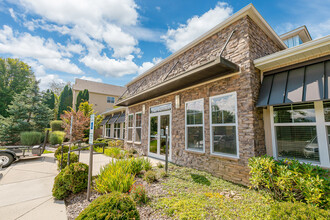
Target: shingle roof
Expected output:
[97,87]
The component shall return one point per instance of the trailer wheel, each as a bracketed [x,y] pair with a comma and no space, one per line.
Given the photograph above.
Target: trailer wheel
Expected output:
[6,158]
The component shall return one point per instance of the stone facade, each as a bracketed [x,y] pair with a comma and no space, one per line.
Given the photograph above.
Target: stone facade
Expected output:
[247,43]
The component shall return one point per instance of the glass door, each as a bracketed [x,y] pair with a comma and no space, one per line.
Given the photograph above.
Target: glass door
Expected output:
[157,135]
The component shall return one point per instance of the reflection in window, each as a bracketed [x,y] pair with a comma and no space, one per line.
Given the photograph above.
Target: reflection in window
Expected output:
[294,113]
[107,130]
[117,130]
[110,99]
[223,124]
[138,127]
[194,125]
[130,127]
[326,107]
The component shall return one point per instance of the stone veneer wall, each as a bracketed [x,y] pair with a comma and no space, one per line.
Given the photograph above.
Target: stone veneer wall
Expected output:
[247,43]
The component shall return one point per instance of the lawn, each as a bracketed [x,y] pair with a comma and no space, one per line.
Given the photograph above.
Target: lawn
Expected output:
[192,194]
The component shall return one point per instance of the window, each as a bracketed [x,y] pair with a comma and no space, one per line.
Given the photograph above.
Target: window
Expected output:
[223,116]
[117,130]
[138,127]
[130,127]
[195,125]
[295,132]
[110,99]
[293,41]
[107,130]
[123,130]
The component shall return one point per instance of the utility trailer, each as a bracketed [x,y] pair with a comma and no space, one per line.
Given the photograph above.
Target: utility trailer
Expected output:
[9,154]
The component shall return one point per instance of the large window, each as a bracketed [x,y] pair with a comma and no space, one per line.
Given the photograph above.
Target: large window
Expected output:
[138,127]
[295,132]
[130,127]
[223,116]
[195,125]
[123,130]
[108,130]
[116,130]
[110,99]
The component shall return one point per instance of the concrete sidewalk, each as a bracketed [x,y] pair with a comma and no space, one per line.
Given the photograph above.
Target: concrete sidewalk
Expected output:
[26,190]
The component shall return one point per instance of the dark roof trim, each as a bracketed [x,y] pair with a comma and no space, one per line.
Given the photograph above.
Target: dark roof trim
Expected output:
[105,120]
[205,72]
[114,118]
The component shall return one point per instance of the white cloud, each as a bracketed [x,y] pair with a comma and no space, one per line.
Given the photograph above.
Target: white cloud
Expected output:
[46,52]
[12,14]
[196,26]
[91,79]
[110,67]
[320,30]
[157,8]
[147,65]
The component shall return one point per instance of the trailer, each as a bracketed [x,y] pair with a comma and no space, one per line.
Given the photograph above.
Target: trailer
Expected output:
[9,154]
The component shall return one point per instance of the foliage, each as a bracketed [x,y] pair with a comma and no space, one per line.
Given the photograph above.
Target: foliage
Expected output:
[116,176]
[138,194]
[56,137]
[88,110]
[297,210]
[111,206]
[115,152]
[73,159]
[160,165]
[49,99]
[72,179]
[83,96]
[290,180]
[116,143]
[31,138]
[150,176]
[65,101]
[80,123]
[56,125]
[26,113]
[15,76]
[59,149]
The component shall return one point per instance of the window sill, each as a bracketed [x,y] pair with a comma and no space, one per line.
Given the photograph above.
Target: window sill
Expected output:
[224,157]
[130,142]
[137,142]
[195,152]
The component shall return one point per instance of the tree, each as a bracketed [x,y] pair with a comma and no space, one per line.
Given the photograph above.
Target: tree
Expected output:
[79,125]
[49,99]
[83,96]
[65,101]
[26,113]
[15,76]
[57,87]
[88,110]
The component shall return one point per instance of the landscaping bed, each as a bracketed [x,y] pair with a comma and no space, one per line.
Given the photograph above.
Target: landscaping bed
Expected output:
[190,194]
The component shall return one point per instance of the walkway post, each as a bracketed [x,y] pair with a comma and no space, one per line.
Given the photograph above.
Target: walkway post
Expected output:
[90,170]
[166,151]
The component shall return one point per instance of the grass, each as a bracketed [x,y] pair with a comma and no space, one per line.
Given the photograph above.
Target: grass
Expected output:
[47,152]
[193,194]
[113,152]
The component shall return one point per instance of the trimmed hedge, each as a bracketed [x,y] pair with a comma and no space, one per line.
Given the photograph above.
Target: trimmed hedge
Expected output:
[31,138]
[56,125]
[290,180]
[111,206]
[56,137]
[72,179]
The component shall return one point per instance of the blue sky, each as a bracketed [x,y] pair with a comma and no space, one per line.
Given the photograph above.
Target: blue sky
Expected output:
[113,41]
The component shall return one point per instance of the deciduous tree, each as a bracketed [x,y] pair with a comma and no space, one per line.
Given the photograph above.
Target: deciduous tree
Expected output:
[79,125]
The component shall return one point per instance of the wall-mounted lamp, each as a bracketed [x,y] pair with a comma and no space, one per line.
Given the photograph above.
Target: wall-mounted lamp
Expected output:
[177,101]
[143,109]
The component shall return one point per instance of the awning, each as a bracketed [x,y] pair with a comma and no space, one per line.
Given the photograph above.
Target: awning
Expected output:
[104,121]
[114,118]
[213,69]
[301,84]
[121,118]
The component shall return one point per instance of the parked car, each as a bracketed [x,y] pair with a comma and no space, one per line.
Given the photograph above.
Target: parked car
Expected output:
[311,150]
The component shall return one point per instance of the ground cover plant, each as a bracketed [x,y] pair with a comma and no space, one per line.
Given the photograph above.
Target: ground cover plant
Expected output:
[72,179]
[290,180]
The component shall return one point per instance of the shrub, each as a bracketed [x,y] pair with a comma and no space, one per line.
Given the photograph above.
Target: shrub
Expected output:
[138,193]
[115,176]
[72,179]
[56,125]
[111,206]
[297,210]
[160,165]
[136,165]
[163,174]
[30,138]
[56,137]
[73,159]
[59,149]
[146,164]
[150,176]
[290,180]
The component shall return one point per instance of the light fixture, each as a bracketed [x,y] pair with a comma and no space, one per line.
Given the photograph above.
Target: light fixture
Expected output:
[177,101]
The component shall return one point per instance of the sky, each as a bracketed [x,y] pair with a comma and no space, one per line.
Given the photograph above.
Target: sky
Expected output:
[113,41]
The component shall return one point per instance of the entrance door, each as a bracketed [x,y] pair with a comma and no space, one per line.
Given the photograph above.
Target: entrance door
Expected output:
[157,134]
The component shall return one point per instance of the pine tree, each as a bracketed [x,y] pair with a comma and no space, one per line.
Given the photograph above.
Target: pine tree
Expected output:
[65,102]
[27,112]
[49,99]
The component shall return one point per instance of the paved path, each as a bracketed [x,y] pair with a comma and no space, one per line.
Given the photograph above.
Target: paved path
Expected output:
[26,191]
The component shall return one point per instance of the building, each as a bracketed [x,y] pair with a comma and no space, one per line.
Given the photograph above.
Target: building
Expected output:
[113,124]
[207,95]
[101,95]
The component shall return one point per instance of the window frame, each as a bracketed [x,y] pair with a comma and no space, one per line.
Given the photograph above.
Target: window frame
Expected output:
[224,125]
[115,130]
[106,130]
[135,127]
[130,141]
[194,125]
[110,98]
